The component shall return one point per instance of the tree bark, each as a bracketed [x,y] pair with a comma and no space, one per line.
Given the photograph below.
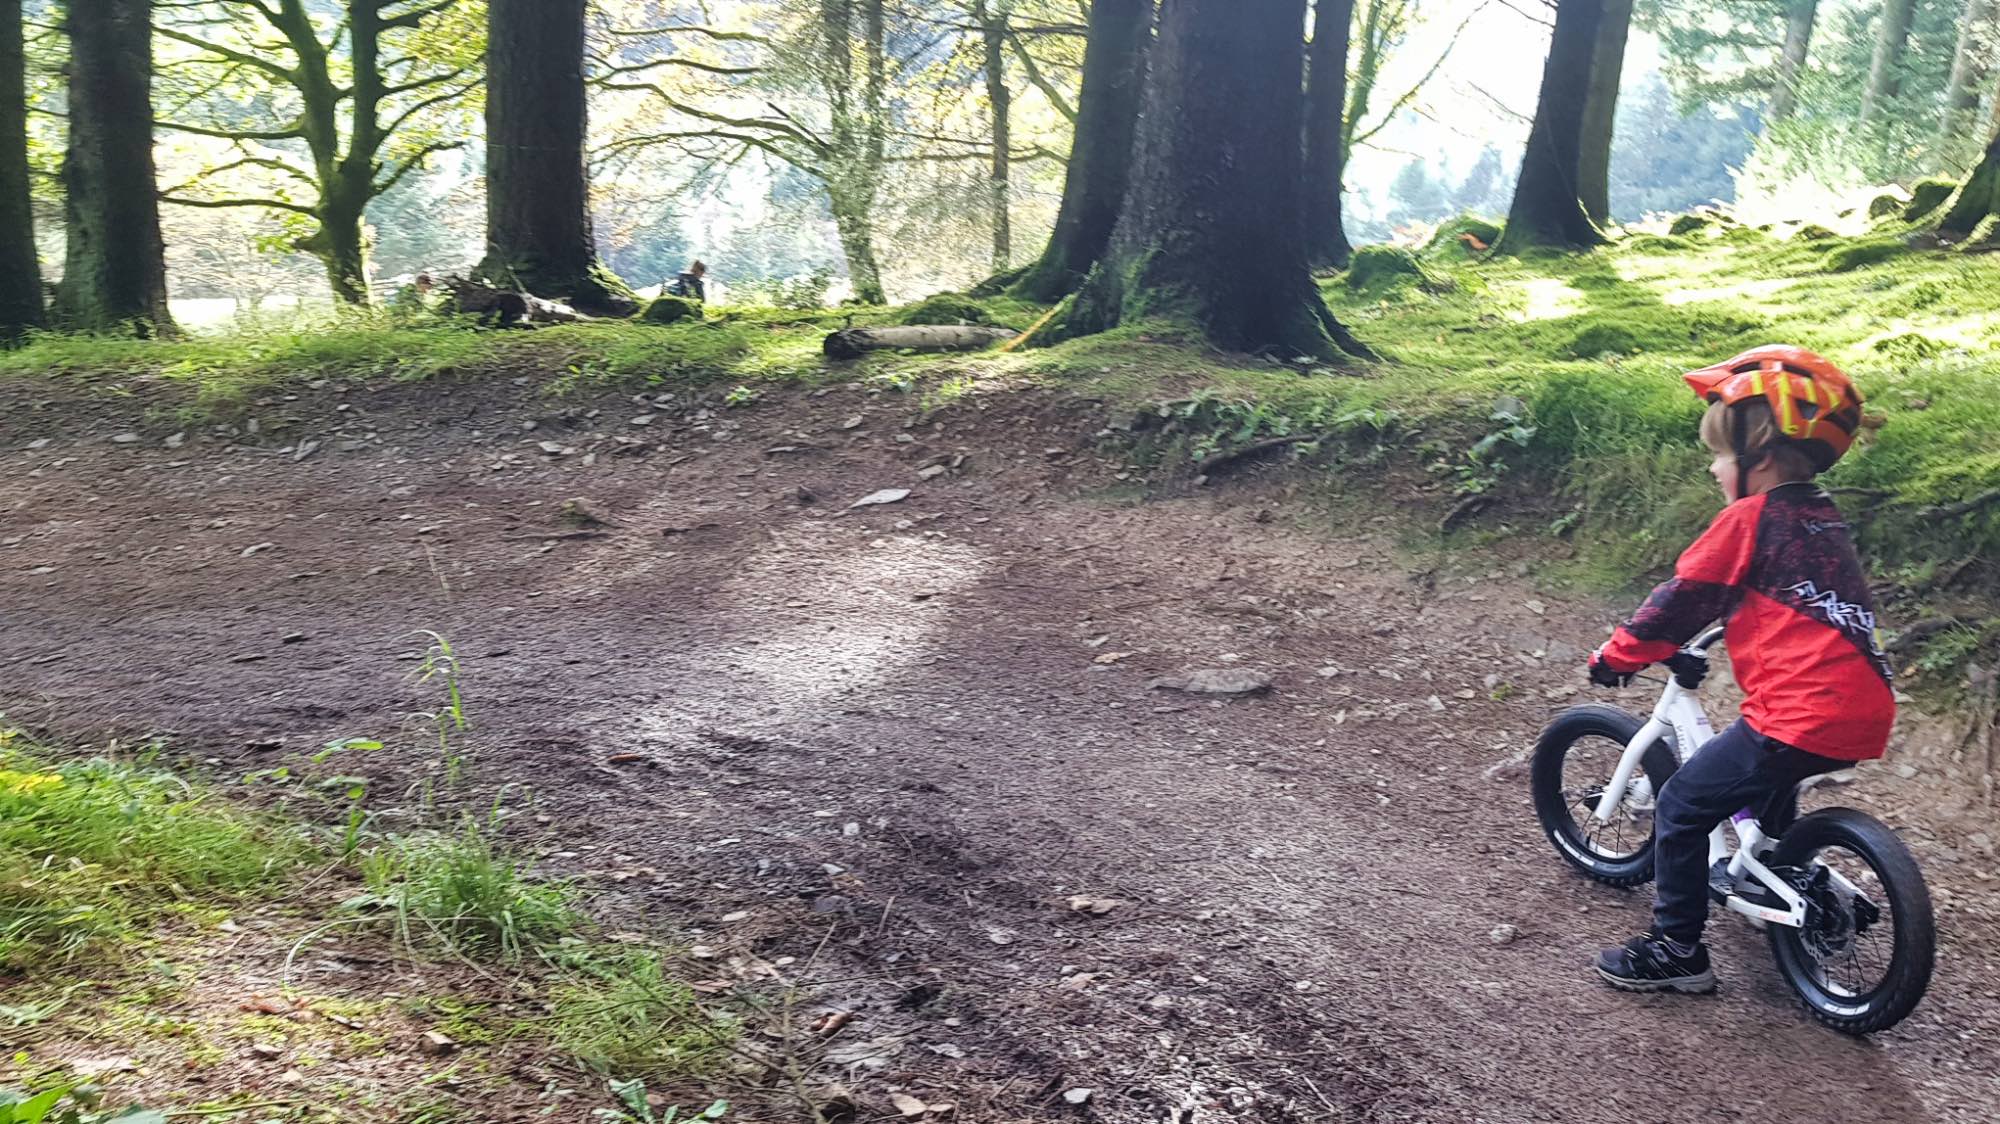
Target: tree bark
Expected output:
[114,271]
[1969,66]
[1600,110]
[1548,208]
[858,146]
[1000,100]
[20,269]
[1978,199]
[1100,158]
[1326,141]
[538,227]
[1885,69]
[1799,18]
[1213,224]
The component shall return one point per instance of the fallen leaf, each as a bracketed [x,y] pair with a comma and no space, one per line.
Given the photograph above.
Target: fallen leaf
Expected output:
[624,758]
[907,1104]
[436,1043]
[268,1005]
[1112,657]
[886,495]
[831,1022]
[1537,608]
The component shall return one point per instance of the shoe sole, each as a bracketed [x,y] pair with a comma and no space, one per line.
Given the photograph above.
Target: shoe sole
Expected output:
[1685,985]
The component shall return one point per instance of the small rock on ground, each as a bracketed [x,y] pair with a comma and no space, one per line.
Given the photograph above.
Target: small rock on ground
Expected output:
[1215,681]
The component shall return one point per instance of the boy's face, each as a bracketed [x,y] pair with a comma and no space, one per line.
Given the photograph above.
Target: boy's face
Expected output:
[1726,472]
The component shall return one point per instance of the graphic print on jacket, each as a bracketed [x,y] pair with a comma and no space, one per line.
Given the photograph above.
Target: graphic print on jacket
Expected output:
[1782,568]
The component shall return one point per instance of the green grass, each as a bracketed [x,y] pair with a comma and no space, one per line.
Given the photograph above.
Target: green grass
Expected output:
[625,1017]
[95,853]
[465,894]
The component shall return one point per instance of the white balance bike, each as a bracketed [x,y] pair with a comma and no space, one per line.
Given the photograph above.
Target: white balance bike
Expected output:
[1837,892]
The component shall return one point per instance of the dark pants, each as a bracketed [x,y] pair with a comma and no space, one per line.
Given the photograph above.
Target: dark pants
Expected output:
[1739,768]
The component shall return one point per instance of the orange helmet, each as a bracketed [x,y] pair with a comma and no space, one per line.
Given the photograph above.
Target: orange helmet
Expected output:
[1813,403]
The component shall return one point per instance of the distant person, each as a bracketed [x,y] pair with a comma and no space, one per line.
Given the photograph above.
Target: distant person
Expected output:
[689,284]
[1780,566]
[415,298]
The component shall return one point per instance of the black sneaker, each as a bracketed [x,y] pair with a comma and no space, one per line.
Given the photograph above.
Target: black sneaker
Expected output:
[1648,963]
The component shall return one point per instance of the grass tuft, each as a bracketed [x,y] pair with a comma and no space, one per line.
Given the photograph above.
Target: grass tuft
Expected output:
[462,893]
[96,852]
[624,1016]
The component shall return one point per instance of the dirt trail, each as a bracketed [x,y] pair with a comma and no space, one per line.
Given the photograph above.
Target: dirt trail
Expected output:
[914,730]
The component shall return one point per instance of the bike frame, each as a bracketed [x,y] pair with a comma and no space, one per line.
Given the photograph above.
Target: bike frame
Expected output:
[1679,716]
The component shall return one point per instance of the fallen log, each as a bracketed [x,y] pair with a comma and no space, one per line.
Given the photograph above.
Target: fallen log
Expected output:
[506,308]
[852,343]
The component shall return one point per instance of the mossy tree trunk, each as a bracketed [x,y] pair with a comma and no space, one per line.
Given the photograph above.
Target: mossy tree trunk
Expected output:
[20,270]
[1100,156]
[1600,110]
[1326,140]
[1799,18]
[856,152]
[1885,67]
[538,226]
[1548,210]
[1211,232]
[1978,199]
[1969,65]
[114,266]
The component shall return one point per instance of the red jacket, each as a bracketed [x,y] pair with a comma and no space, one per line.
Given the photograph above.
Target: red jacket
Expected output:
[1781,567]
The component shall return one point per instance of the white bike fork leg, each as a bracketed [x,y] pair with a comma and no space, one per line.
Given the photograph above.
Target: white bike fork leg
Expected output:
[1628,765]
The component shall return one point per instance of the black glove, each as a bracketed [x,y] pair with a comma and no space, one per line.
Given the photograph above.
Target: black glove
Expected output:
[1604,675]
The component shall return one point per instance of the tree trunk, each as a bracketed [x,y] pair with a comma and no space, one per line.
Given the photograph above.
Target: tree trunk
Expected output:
[1978,199]
[538,228]
[1548,209]
[1799,17]
[1100,157]
[1213,225]
[1885,70]
[993,29]
[856,152]
[1969,65]
[853,218]
[1600,110]
[1326,142]
[20,269]
[115,270]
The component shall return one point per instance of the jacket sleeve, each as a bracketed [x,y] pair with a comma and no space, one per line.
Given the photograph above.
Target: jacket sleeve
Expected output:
[1706,585]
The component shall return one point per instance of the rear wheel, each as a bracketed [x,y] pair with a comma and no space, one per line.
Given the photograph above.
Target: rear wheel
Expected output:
[1863,959]
[1573,762]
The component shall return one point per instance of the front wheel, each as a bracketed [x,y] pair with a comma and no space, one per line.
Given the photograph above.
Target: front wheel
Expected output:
[1863,959]
[1574,760]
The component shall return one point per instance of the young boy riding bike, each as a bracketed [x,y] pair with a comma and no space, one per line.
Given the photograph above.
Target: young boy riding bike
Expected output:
[1779,564]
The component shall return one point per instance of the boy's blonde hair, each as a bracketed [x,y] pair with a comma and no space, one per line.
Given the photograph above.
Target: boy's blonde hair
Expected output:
[1760,433]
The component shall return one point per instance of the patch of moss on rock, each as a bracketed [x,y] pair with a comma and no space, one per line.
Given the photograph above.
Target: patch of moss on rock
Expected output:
[1927,196]
[1660,244]
[1908,347]
[944,308]
[1813,232]
[671,310]
[1385,267]
[1690,224]
[1856,255]
[1450,241]
[1886,204]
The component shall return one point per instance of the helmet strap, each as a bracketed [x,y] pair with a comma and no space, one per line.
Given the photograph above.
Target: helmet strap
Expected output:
[1746,458]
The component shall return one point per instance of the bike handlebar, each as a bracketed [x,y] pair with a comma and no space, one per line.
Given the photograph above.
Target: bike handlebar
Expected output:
[1701,644]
